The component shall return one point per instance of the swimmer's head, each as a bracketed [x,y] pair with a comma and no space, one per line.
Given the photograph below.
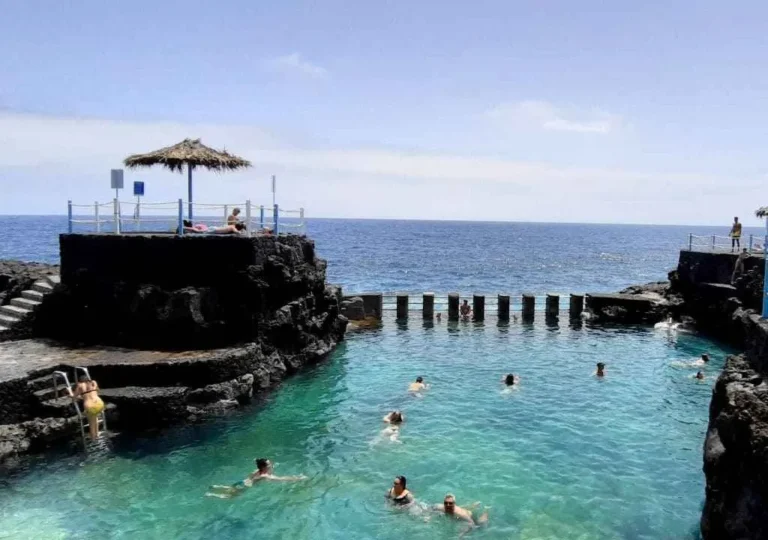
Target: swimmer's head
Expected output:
[400,481]
[466,302]
[396,417]
[509,380]
[699,375]
[705,357]
[449,503]
[600,368]
[420,379]
[263,464]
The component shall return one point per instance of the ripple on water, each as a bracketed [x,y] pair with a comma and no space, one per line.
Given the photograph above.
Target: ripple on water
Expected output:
[565,455]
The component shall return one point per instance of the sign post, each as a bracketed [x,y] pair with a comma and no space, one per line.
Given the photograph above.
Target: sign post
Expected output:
[116,182]
[138,191]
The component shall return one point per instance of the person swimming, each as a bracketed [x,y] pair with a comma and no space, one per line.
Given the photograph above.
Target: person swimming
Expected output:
[600,370]
[699,375]
[510,379]
[417,386]
[398,493]
[264,471]
[392,431]
[450,508]
[88,390]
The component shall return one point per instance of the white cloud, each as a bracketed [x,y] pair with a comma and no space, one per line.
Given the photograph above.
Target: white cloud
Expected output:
[46,160]
[294,63]
[544,115]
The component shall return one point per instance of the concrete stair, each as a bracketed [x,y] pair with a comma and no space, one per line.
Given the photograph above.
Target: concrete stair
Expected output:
[11,314]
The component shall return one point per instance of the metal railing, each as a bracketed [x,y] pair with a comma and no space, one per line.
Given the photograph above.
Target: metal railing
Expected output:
[122,217]
[753,243]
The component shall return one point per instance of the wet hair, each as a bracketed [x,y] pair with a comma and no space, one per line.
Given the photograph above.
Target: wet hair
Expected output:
[262,463]
[396,416]
[449,496]
[509,380]
[419,379]
[239,226]
[403,481]
[705,357]
[600,365]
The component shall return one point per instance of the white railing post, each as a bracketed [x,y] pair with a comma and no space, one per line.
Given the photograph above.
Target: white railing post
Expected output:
[226,214]
[248,217]
[690,242]
[116,210]
[181,218]
[713,242]
[96,214]
[69,216]
[303,224]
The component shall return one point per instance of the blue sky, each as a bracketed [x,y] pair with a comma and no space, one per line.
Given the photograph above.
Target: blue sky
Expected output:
[641,112]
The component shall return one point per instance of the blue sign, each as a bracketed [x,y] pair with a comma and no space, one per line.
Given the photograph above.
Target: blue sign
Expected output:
[138,189]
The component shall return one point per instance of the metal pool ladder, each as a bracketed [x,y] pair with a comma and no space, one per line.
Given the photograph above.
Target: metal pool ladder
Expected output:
[81,419]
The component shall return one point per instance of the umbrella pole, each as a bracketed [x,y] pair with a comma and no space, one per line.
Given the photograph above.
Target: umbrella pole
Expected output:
[189,187]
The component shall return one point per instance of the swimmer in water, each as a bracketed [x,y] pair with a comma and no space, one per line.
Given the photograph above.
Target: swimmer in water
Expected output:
[264,471]
[451,509]
[600,370]
[699,375]
[398,493]
[439,316]
[418,386]
[510,379]
[703,361]
[394,419]
[465,310]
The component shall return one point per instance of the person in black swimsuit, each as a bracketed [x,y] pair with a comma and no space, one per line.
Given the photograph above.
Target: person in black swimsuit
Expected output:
[398,493]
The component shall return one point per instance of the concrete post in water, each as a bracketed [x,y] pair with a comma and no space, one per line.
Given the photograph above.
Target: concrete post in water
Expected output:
[478,307]
[577,306]
[553,306]
[503,307]
[453,307]
[529,306]
[402,306]
[428,303]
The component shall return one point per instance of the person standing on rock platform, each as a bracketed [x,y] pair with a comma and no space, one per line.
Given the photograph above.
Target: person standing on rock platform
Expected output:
[735,234]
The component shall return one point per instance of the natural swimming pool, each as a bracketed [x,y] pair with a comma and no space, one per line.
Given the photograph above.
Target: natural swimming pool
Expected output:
[564,456]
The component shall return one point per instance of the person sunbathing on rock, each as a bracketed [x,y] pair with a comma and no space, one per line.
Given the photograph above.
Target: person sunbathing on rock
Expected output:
[88,390]
[202,228]
[264,471]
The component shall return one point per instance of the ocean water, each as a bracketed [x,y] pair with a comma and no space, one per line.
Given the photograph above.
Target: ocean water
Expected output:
[446,256]
[566,455]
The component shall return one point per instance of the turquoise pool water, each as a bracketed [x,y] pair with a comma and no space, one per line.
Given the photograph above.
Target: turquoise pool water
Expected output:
[566,456]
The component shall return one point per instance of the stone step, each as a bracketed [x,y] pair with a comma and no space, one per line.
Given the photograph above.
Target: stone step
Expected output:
[32,295]
[42,287]
[40,383]
[49,392]
[53,280]
[14,311]
[25,303]
[7,320]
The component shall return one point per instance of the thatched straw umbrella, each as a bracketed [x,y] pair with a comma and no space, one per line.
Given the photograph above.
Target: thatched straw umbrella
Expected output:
[762,212]
[192,153]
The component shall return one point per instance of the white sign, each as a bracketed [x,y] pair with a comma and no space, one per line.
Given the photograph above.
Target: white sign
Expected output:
[117,179]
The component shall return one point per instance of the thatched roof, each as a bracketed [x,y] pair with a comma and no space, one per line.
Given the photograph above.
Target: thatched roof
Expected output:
[762,212]
[188,152]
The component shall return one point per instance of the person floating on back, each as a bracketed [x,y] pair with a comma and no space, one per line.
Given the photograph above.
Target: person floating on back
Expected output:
[600,370]
[264,471]
[465,311]
[735,234]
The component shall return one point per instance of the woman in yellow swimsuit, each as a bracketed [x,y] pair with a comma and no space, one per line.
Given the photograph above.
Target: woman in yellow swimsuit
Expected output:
[88,391]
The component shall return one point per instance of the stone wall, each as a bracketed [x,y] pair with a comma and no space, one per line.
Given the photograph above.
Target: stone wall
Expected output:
[190,292]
